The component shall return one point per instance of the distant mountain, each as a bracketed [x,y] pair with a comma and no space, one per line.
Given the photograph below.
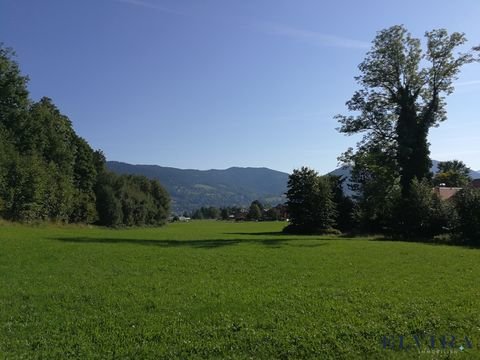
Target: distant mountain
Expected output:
[191,189]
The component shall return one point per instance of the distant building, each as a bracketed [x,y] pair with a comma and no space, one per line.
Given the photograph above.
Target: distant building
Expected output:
[282,210]
[446,192]
[476,183]
[241,215]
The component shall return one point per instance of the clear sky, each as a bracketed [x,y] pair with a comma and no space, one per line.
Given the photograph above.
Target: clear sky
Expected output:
[217,83]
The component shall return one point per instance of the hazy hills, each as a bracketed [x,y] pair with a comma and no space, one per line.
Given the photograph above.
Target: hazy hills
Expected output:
[236,186]
[191,189]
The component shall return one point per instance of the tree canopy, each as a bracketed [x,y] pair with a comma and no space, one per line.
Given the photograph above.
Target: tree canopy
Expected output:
[403,87]
[255,210]
[402,95]
[48,172]
[452,173]
[310,202]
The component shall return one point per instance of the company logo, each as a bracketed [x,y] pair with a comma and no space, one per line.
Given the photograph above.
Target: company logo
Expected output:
[431,343]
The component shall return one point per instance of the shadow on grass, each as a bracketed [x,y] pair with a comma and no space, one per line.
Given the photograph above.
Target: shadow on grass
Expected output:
[353,236]
[370,237]
[198,244]
[289,236]
[427,241]
[259,233]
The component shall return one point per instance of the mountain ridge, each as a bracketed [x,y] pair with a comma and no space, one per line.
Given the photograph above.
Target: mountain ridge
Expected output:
[191,188]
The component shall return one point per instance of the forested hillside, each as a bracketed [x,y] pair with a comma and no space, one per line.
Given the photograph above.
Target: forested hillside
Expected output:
[48,172]
[192,189]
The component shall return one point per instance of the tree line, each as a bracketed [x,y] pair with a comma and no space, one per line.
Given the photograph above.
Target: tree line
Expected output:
[402,96]
[317,205]
[48,172]
[255,212]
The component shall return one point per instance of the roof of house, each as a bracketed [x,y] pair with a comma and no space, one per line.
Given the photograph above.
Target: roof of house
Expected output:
[446,192]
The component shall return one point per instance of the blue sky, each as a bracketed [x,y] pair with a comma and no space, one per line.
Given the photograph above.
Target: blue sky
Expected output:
[213,84]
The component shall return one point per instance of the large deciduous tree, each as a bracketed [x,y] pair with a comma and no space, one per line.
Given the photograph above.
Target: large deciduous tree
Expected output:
[403,96]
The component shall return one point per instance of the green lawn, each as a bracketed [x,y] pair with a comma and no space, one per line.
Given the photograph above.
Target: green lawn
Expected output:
[230,290]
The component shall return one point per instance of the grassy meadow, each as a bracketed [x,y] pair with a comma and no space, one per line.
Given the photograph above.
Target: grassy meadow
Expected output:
[219,290]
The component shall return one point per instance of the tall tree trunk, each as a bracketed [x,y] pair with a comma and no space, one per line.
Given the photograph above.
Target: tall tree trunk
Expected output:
[413,147]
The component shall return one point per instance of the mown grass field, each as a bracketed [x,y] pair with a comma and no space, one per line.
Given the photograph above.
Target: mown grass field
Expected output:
[230,291]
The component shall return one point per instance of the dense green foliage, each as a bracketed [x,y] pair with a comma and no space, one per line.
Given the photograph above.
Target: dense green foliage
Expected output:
[376,189]
[402,97]
[467,221]
[310,202]
[225,290]
[344,205]
[130,200]
[255,211]
[422,215]
[317,204]
[452,174]
[48,172]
